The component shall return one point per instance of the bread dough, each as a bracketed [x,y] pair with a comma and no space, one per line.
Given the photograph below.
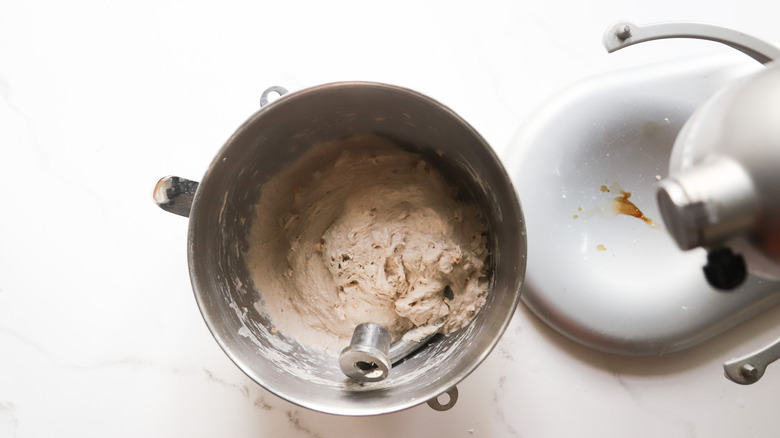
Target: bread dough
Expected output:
[359,230]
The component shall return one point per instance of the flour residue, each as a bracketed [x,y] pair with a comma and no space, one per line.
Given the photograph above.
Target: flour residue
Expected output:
[360,230]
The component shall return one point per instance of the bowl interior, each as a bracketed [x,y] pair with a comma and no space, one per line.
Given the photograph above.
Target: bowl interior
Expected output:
[222,217]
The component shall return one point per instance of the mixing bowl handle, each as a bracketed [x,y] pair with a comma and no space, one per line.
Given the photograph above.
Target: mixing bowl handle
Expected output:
[437,405]
[175,195]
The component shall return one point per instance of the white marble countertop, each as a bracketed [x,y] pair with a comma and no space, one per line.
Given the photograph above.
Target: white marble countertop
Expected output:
[99,332]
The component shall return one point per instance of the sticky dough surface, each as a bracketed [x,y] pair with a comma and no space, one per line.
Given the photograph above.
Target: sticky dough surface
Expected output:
[360,230]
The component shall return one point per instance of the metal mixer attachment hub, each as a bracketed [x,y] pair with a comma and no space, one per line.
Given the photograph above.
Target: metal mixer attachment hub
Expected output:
[366,358]
[370,354]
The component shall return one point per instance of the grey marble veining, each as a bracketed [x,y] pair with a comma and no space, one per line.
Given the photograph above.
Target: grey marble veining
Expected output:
[99,331]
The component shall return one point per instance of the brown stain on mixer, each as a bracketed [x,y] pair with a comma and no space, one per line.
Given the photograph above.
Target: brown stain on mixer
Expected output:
[622,205]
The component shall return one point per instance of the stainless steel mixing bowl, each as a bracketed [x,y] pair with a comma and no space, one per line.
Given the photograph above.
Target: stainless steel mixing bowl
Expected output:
[221,209]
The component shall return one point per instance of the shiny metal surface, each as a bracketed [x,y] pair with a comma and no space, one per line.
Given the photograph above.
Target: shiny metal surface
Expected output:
[741,128]
[748,369]
[726,159]
[451,396]
[607,280]
[370,356]
[401,348]
[624,34]
[175,195]
[222,214]
[366,359]
[708,204]
[723,191]
[264,98]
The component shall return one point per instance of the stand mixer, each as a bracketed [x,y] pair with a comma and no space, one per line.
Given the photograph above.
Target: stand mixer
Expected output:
[694,143]
[723,190]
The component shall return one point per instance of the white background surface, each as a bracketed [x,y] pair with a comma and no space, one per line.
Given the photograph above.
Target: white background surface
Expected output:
[99,332]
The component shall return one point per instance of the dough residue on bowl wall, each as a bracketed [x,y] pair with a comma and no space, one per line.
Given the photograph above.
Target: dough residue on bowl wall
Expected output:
[360,230]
